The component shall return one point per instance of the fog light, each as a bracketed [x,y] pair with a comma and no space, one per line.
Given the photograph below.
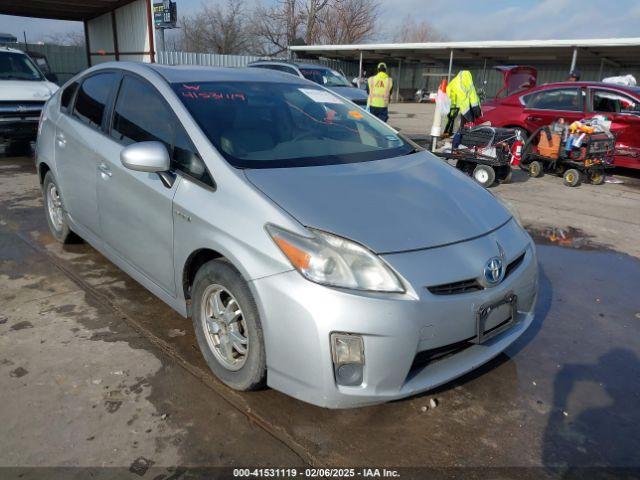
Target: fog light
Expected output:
[348,358]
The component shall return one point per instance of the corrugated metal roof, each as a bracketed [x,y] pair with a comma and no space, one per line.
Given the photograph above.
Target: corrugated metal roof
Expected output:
[60,9]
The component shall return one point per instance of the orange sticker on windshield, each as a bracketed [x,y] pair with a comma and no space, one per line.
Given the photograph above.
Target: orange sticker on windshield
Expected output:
[355,114]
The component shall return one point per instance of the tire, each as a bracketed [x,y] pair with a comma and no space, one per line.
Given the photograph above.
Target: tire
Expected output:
[503,173]
[465,166]
[572,178]
[484,175]
[597,177]
[55,212]
[536,169]
[240,371]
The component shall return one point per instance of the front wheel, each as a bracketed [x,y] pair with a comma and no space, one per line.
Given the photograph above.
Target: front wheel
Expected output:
[228,327]
[484,175]
[571,178]
[535,169]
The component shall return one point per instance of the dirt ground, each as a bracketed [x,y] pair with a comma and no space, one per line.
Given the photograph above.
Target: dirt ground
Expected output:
[95,371]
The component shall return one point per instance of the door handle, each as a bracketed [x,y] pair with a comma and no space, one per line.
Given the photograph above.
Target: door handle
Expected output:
[104,169]
[532,118]
[61,141]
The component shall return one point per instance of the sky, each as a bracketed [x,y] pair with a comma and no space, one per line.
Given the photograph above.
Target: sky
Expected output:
[457,19]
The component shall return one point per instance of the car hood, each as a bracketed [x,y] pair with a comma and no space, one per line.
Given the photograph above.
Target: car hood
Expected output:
[352,93]
[25,90]
[405,203]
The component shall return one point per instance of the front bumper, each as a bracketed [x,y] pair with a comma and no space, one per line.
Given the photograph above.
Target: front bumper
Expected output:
[19,128]
[299,317]
[19,119]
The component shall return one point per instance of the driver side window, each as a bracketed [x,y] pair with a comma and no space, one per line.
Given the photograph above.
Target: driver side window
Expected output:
[141,115]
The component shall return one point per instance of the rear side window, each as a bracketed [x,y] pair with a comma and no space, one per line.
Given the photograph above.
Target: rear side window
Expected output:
[567,99]
[92,98]
[141,115]
[67,96]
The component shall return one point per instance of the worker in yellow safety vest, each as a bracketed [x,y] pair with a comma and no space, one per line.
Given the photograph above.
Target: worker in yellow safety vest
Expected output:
[379,88]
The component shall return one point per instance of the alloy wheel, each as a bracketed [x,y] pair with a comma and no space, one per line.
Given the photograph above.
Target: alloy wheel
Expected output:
[54,207]
[225,327]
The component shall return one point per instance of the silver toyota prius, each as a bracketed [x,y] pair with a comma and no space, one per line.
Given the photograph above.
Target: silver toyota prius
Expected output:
[317,250]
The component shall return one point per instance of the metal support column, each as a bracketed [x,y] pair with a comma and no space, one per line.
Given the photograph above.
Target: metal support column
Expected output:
[601,71]
[360,70]
[397,86]
[574,59]
[450,66]
[114,32]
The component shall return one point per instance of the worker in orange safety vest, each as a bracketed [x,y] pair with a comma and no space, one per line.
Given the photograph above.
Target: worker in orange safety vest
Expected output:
[379,88]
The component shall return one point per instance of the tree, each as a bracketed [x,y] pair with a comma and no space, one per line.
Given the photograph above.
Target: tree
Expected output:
[295,22]
[73,38]
[312,11]
[349,21]
[278,26]
[217,28]
[412,31]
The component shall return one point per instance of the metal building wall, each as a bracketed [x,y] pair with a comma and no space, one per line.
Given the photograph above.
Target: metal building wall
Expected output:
[350,69]
[64,61]
[100,35]
[132,40]
[131,37]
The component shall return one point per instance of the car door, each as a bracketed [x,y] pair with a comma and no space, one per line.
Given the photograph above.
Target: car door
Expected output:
[80,136]
[546,106]
[135,208]
[624,113]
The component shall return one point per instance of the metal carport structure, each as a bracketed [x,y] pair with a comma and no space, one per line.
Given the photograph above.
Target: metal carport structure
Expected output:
[553,58]
[114,29]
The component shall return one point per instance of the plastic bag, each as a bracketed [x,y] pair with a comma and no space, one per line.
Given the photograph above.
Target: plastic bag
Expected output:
[627,80]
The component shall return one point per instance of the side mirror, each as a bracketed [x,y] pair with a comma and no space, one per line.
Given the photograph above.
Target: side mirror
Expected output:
[151,157]
[146,157]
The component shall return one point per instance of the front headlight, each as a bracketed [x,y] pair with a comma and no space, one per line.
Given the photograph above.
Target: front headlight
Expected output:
[335,261]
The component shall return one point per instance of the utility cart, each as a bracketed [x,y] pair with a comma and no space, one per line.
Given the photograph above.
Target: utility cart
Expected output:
[484,153]
[577,152]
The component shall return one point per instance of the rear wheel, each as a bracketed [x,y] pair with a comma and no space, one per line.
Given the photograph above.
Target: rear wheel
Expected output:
[484,175]
[596,177]
[571,178]
[535,169]
[228,327]
[56,213]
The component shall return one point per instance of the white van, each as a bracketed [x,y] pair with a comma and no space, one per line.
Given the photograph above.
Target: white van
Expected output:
[24,89]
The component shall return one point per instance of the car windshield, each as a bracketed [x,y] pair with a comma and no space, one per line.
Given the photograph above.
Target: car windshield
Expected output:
[324,77]
[17,66]
[274,125]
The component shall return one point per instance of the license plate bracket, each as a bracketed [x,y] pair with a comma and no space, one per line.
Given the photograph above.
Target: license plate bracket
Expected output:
[484,314]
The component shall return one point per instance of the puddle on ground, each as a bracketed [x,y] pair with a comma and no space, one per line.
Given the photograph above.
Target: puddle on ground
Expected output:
[569,237]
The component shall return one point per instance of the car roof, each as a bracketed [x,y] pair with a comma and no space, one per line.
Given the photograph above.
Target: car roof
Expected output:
[194,73]
[622,88]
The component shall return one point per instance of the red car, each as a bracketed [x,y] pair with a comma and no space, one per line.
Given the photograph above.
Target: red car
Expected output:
[520,104]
